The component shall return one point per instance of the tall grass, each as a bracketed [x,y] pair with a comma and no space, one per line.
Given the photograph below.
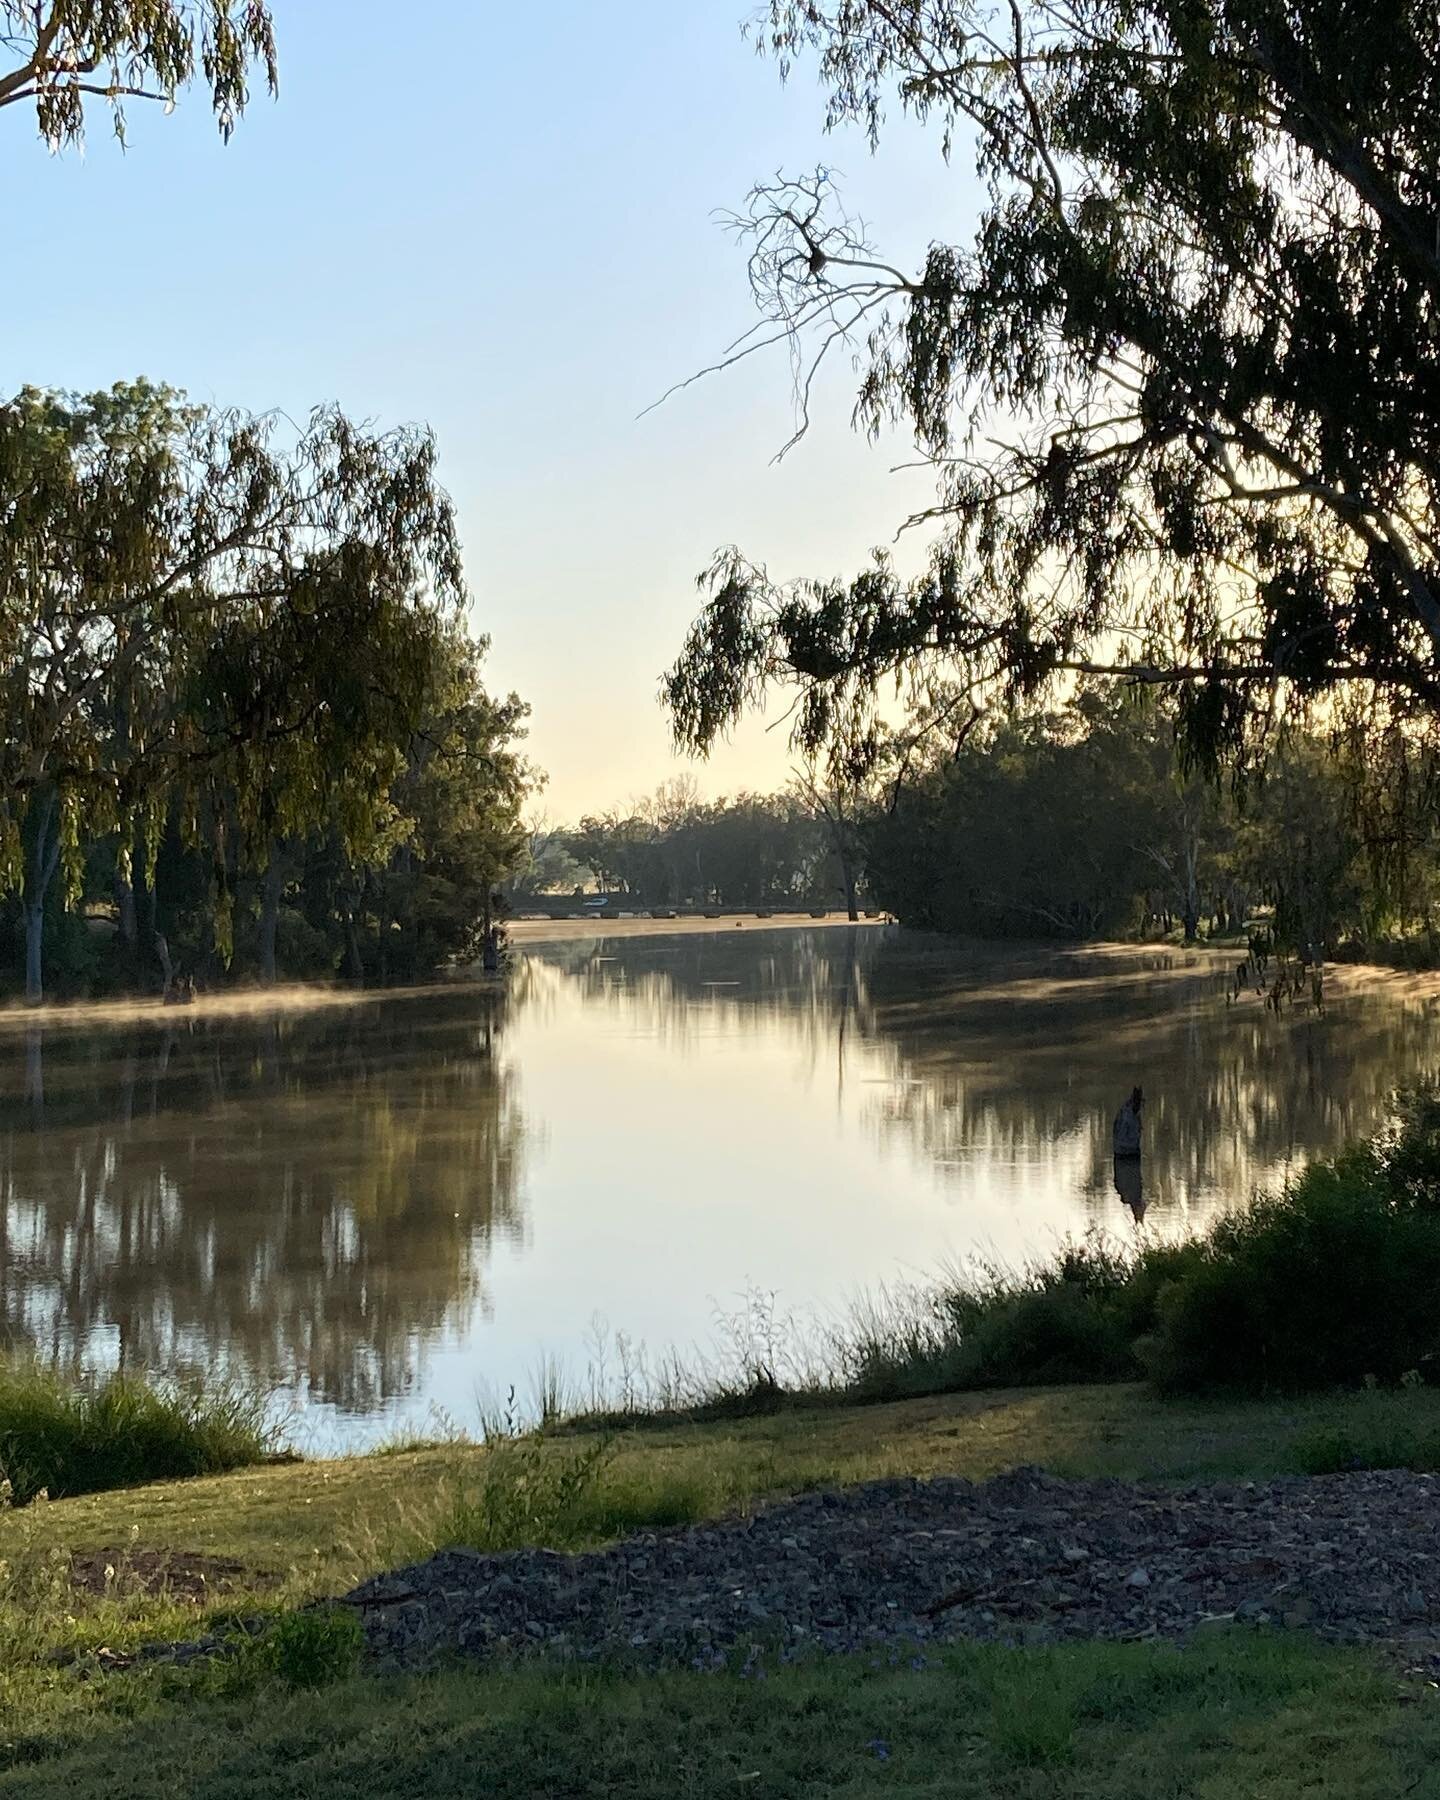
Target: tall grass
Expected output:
[65,1436]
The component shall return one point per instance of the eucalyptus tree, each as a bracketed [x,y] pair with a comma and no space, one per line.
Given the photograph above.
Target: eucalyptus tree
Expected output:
[182,587]
[329,689]
[60,56]
[457,800]
[840,804]
[1180,389]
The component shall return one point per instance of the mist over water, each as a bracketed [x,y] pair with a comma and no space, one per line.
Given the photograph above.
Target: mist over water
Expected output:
[383,1204]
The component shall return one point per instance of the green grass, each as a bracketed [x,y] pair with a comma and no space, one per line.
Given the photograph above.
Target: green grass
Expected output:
[1269,1719]
[63,1436]
[314,1525]
[280,1535]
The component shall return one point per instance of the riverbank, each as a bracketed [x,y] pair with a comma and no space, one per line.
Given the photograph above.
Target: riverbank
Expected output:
[88,1582]
[523,931]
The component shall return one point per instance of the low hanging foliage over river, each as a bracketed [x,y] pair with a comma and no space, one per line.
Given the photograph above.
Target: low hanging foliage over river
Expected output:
[246,729]
[1177,387]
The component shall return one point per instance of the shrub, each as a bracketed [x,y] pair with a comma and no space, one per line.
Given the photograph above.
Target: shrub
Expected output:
[1053,1332]
[524,1492]
[311,1649]
[1326,1284]
[1075,1319]
[1335,1452]
[68,1437]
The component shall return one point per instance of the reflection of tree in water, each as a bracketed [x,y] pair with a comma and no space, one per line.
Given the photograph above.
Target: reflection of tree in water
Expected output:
[1023,1057]
[1045,1056]
[811,982]
[309,1194]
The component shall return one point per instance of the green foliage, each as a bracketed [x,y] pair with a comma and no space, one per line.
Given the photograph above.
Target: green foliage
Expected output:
[1337,1449]
[524,1492]
[1050,825]
[62,1437]
[244,648]
[254,666]
[1324,1285]
[1079,822]
[62,52]
[1178,388]
[676,850]
[309,1649]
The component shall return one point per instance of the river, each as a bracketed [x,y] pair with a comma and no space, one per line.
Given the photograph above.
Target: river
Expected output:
[390,1207]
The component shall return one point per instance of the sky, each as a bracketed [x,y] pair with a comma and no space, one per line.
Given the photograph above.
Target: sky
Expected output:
[499,221]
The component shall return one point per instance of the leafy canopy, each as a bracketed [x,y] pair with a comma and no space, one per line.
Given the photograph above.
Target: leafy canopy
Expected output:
[189,594]
[56,55]
[1180,390]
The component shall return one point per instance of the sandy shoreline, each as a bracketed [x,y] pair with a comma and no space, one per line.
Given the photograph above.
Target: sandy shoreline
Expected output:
[539,931]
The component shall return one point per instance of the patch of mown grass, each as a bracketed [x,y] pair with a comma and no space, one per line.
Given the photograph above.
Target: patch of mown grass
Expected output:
[63,1436]
[295,1533]
[1271,1719]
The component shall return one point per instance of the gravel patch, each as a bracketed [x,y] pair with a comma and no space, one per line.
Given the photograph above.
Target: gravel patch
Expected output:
[1025,1558]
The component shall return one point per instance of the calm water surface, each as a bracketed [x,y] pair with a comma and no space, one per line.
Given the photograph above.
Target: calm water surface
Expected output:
[385,1205]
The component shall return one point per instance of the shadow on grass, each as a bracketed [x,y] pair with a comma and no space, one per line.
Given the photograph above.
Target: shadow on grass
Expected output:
[1269,1718]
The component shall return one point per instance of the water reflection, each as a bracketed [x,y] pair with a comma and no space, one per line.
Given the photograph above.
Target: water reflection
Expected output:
[988,1055]
[1034,1064]
[352,1200]
[306,1195]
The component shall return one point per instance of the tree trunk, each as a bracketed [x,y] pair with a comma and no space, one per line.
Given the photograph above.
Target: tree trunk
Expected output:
[162,950]
[352,939]
[40,869]
[125,912]
[274,886]
[34,939]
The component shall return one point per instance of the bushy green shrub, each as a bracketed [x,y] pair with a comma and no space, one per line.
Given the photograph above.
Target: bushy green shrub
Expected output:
[1337,1452]
[1056,1322]
[62,1436]
[1319,1288]
[1076,1318]
[1323,1285]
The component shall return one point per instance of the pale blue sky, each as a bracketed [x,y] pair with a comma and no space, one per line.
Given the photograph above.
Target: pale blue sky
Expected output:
[498,222]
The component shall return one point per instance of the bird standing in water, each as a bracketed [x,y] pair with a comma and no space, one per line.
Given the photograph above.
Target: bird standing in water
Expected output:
[1125,1137]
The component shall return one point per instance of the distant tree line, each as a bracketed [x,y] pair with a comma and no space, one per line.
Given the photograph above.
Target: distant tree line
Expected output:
[1072,823]
[673,849]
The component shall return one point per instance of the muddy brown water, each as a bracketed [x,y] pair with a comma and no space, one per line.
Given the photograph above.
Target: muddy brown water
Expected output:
[387,1204]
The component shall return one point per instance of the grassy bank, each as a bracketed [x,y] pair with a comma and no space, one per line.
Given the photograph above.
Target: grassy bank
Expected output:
[61,1436]
[184,1556]
[1269,1720]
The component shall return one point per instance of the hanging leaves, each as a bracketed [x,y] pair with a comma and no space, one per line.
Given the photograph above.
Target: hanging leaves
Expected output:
[63,54]
[1180,389]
